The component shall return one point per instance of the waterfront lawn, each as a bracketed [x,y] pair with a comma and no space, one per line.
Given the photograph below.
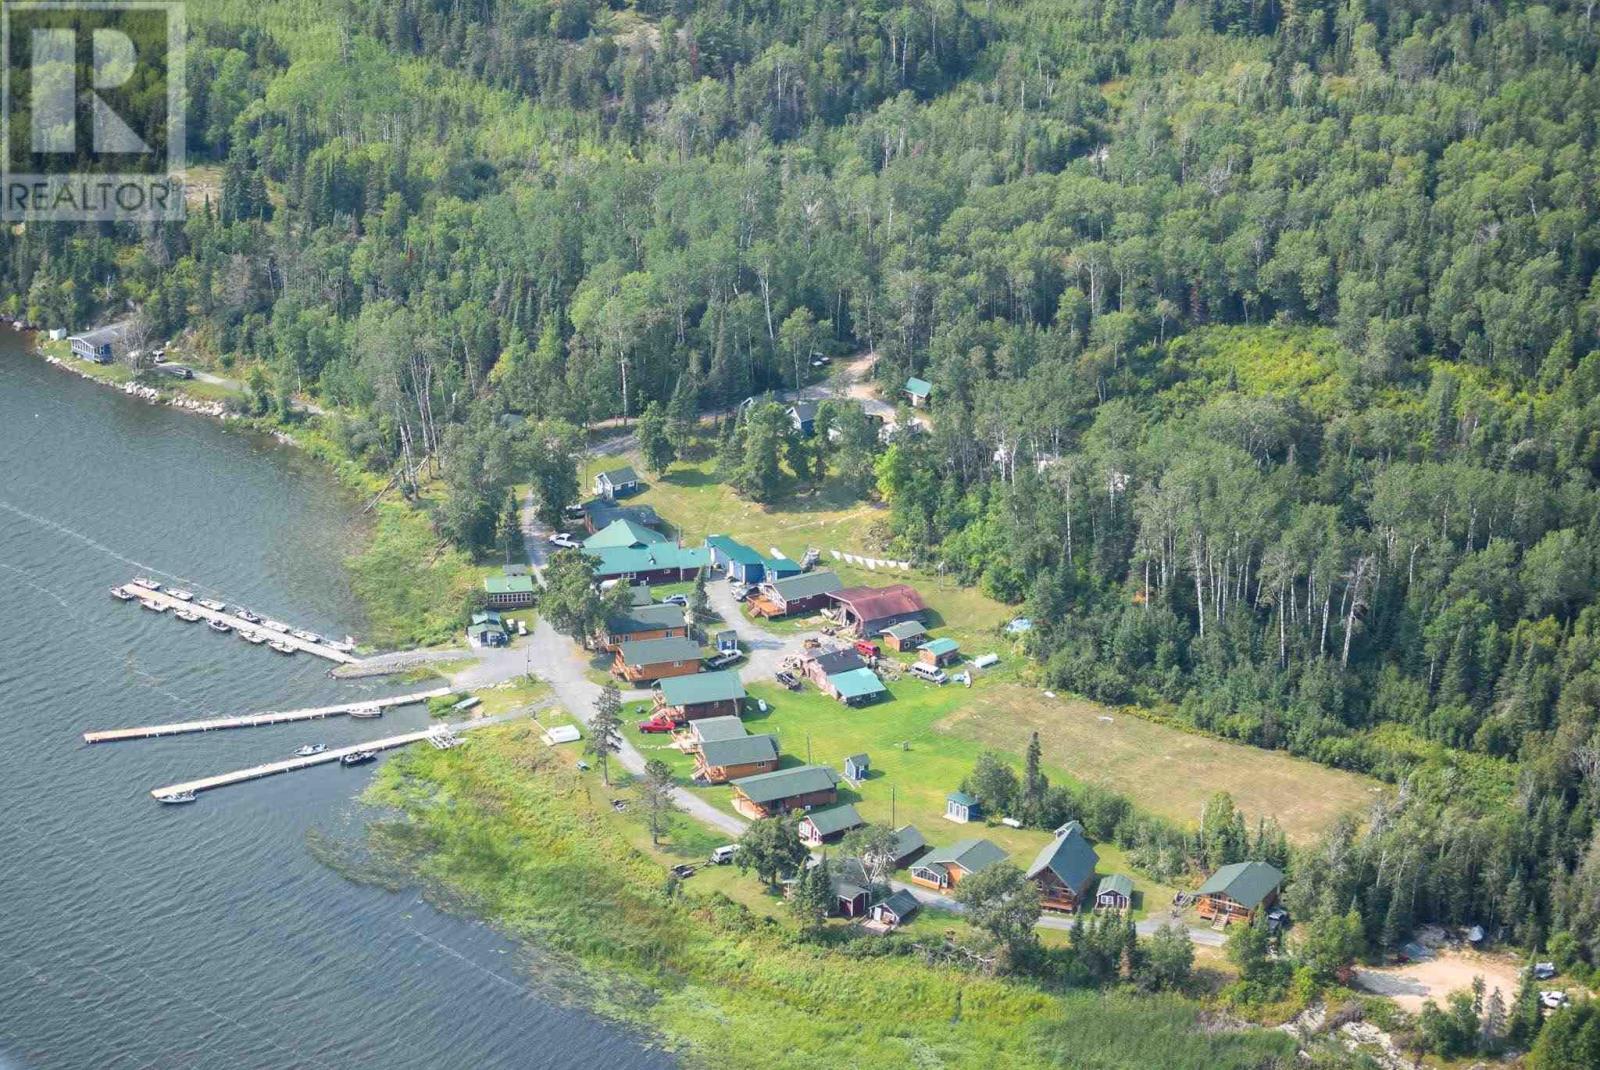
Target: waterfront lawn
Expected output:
[507,829]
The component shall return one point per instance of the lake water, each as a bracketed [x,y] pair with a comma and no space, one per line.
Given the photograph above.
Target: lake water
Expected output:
[136,935]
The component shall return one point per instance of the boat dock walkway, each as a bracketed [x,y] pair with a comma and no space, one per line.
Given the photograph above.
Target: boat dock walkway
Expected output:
[253,720]
[257,772]
[239,624]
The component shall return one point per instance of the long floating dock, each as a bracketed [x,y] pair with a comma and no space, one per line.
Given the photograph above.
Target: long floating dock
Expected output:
[257,772]
[253,720]
[161,598]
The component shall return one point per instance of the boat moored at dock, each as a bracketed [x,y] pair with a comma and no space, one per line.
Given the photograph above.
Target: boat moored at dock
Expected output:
[122,594]
[173,798]
[254,638]
[146,582]
[181,595]
[309,749]
[154,607]
[282,648]
[186,616]
[219,626]
[214,605]
[359,757]
[245,615]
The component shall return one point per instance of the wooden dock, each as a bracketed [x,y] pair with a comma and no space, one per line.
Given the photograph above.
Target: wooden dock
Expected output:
[239,624]
[253,720]
[257,772]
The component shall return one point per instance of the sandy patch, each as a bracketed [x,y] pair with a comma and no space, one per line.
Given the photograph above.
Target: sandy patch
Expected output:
[1435,978]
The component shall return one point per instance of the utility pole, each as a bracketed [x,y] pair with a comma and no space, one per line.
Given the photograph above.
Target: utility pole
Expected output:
[891,806]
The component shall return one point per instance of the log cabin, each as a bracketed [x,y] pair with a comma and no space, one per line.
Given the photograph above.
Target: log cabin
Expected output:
[654,659]
[1064,868]
[780,792]
[1235,892]
[704,695]
[722,760]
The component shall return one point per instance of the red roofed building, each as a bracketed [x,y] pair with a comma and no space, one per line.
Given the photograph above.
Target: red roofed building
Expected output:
[869,610]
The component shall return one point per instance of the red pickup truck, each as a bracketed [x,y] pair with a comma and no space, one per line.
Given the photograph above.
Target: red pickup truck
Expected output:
[868,649]
[659,723]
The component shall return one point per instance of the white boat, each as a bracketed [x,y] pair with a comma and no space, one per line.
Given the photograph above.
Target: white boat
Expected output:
[186,616]
[172,798]
[213,605]
[366,713]
[154,607]
[255,638]
[245,615]
[309,749]
[282,648]
[346,645]
[357,757]
[310,637]
[147,583]
[181,595]
[219,626]
[122,594]
[275,625]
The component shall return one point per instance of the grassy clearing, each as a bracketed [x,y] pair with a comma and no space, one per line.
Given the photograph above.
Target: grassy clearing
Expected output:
[508,829]
[1162,769]
[696,504]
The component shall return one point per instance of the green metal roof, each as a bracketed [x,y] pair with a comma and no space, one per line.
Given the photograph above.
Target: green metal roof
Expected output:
[711,728]
[490,616]
[1117,882]
[808,585]
[623,533]
[907,840]
[835,819]
[857,683]
[961,797]
[740,751]
[645,619]
[1246,883]
[902,903]
[1069,856]
[625,474]
[972,855]
[656,651]
[766,788]
[703,687]
[906,629]
[624,560]
[919,387]
[940,646]
[508,584]
[733,549]
[781,566]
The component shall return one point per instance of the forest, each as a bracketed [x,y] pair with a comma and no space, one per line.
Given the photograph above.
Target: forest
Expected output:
[1265,336]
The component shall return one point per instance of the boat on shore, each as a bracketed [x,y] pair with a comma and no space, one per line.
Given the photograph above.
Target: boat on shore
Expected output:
[188,617]
[146,582]
[154,607]
[219,626]
[245,615]
[310,749]
[122,594]
[255,638]
[180,594]
[173,798]
[282,648]
[357,757]
[213,605]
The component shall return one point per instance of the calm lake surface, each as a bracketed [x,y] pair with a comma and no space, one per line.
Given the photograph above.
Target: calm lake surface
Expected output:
[136,935]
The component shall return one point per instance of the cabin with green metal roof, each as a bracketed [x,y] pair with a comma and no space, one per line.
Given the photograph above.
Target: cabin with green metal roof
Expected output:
[917,391]
[780,792]
[1237,891]
[661,562]
[721,760]
[822,826]
[624,532]
[945,867]
[643,622]
[508,592]
[938,652]
[855,687]
[1064,868]
[741,563]
[704,695]
[1115,892]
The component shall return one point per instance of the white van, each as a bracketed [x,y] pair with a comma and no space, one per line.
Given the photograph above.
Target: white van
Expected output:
[929,673]
[721,856]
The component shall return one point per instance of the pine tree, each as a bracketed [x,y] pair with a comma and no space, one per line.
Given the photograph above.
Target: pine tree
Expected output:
[1034,782]
[605,728]
[654,442]
[811,899]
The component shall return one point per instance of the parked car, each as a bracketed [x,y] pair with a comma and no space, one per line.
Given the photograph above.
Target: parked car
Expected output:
[676,600]
[721,856]
[179,370]
[788,680]
[868,649]
[1544,970]
[724,659]
[565,541]
[658,723]
[682,871]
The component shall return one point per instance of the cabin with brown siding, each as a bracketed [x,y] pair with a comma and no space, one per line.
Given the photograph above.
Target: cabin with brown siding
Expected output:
[655,659]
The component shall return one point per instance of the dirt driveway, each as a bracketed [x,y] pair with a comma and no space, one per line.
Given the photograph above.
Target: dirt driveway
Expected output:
[1435,978]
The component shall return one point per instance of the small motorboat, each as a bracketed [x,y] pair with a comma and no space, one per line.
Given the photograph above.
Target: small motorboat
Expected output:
[245,615]
[147,583]
[172,798]
[187,616]
[219,626]
[213,605]
[345,646]
[366,713]
[275,625]
[255,638]
[282,648]
[359,757]
[122,594]
[309,749]
[181,595]
[154,607]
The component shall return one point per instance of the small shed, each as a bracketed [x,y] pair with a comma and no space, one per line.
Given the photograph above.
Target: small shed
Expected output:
[1115,893]
[857,767]
[743,564]
[896,909]
[820,826]
[907,635]
[961,807]
[725,641]
[803,418]
[857,687]
[917,391]
[616,482]
[939,652]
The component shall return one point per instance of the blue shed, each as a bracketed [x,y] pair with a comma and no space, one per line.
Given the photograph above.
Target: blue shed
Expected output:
[740,561]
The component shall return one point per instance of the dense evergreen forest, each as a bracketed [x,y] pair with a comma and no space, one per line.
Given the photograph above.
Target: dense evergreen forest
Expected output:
[1265,335]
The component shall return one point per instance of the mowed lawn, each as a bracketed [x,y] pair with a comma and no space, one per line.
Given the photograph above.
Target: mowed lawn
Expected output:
[1164,770]
[695,504]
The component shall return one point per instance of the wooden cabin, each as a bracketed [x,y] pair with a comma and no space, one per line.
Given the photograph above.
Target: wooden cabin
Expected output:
[945,867]
[907,635]
[644,622]
[703,695]
[939,652]
[616,483]
[795,594]
[1115,893]
[821,826]
[655,659]
[896,910]
[723,760]
[1064,868]
[780,792]
[1235,892]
